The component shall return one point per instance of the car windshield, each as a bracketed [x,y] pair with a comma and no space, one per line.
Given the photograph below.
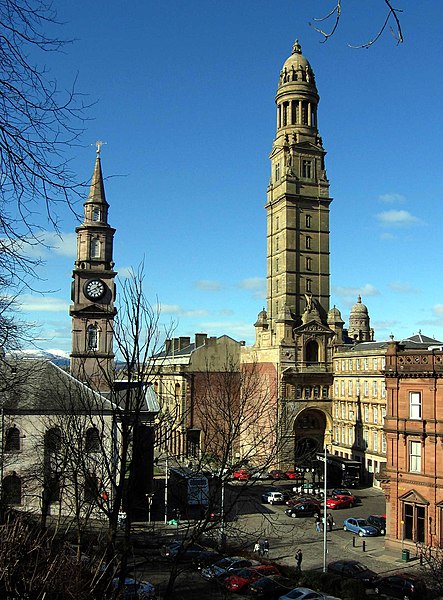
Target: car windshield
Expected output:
[224,562]
[242,573]
[359,567]
[362,522]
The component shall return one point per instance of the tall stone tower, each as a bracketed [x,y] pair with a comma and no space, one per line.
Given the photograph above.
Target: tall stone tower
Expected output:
[93,290]
[296,333]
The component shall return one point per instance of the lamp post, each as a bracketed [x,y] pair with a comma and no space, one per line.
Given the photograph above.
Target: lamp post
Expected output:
[166,486]
[149,498]
[325,529]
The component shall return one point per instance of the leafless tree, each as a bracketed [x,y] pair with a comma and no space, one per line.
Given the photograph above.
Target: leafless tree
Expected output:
[335,15]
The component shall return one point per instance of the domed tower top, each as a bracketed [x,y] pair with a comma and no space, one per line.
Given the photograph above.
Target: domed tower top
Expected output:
[359,323]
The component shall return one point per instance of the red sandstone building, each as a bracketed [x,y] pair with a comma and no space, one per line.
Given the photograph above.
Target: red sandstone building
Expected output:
[413,481]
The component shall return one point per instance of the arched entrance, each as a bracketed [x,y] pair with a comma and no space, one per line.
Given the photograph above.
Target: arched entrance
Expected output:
[309,434]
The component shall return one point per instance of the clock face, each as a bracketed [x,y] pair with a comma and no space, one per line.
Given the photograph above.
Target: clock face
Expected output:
[94,289]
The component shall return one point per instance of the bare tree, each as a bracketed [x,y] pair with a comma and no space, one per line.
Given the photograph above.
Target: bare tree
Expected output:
[335,15]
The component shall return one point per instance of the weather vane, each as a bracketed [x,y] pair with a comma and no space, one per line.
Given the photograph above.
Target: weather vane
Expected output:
[98,145]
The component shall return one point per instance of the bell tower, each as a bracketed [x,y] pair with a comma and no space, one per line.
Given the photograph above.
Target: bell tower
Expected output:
[93,290]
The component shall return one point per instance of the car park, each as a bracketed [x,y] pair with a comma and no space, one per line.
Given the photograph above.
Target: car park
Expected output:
[206,558]
[304,509]
[340,493]
[302,593]
[225,565]
[240,579]
[135,590]
[359,526]
[401,585]
[269,588]
[242,475]
[378,521]
[273,497]
[354,570]
[339,502]
[277,474]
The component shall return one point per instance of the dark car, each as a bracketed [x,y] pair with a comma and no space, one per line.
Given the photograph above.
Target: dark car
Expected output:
[183,552]
[304,509]
[237,581]
[402,585]
[271,587]
[277,474]
[354,570]
[206,558]
[379,522]
[224,565]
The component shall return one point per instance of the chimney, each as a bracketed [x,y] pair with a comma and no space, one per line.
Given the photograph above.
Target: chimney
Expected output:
[200,339]
[168,346]
[176,343]
[183,342]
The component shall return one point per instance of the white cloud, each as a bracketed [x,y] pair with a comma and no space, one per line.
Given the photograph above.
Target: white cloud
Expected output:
[437,309]
[208,285]
[397,218]
[352,292]
[257,285]
[402,288]
[392,198]
[179,311]
[125,272]
[28,303]
[46,242]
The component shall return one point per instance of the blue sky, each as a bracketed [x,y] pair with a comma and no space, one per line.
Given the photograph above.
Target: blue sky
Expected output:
[183,95]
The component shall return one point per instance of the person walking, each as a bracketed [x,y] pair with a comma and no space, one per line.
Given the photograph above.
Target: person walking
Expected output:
[257,548]
[266,548]
[298,559]
[330,521]
[318,523]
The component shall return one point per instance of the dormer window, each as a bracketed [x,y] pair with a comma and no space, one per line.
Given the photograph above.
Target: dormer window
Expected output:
[306,169]
[96,214]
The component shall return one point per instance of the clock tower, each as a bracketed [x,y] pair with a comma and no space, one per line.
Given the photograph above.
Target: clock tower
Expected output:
[93,290]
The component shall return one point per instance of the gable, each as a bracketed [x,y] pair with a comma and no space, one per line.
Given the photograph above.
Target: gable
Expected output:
[413,496]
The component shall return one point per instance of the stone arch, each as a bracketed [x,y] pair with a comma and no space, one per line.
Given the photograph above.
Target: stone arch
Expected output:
[311,352]
[311,432]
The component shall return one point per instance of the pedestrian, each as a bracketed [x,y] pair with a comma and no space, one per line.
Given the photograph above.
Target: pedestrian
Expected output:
[298,559]
[317,523]
[266,548]
[257,548]
[260,548]
[330,521]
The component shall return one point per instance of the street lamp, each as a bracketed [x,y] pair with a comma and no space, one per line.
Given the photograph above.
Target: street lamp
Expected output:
[149,498]
[325,529]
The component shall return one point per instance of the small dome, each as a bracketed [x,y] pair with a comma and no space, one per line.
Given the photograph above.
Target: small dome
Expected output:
[334,312]
[296,67]
[262,319]
[359,307]
[334,316]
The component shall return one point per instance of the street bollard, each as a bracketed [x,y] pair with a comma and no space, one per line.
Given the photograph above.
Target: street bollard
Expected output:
[353,541]
[364,546]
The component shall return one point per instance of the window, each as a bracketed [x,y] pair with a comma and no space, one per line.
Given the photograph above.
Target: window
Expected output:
[276,265]
[308,263]
[383,362]
[350,387]
[343,365]
[357,387]
[53,440]
[415,405]
[357,364]
[374,389]
[92,440]
[309,285]
[337,366]
[383,389]
[366,413]
[306,169]
[336,390]
[366,364]
[375,414]
[92,337]
[307,391]
[383,443]
[276,243]
[12,441]
[298,391]
[91,487]
[95,248]
[414,522]
[317,391]
[350,364]
[351,436]
[276,286]
[365,438]
[12,489]
[325,391]
[308,241]
[343,435]
[343,410]
[336,410]
[277,222]
[366,388]
[342,388]
[375,441]
[96,213]
[277,171]
[414,457]
[308,221]
[383,414]
[375,364]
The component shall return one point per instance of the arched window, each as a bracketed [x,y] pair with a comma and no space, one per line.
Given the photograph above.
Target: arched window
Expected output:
[53,440]
[12,489]
[308,240]
[92,338]
[312,352]
[96,213]
[12,441]
[91,490]
[92,440]
[95,248]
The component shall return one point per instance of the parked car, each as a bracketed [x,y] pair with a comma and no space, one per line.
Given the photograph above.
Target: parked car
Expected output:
[304,509]
[277,474]
[224,565]
[359,526]
[301,499]
[273,498]
[402,585]
[292,474]
[241,475]
[340,493]
[302,593]
[354,570]
[378,521]
[183,552]
[135,590]
[260,473]
[206,558]
[339,502]
[270,588]
[238,580]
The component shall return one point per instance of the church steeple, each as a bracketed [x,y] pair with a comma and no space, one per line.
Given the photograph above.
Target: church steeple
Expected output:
[93,289]
[298,200]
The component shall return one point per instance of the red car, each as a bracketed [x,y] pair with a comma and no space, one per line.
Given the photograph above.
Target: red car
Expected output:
[276,474]
[291,474]
[340,502]
[241,475]
[238,581]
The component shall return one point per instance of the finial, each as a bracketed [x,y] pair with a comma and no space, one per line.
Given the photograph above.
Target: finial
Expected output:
[98,145]
[296,48]
[392,337]
[359,299]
